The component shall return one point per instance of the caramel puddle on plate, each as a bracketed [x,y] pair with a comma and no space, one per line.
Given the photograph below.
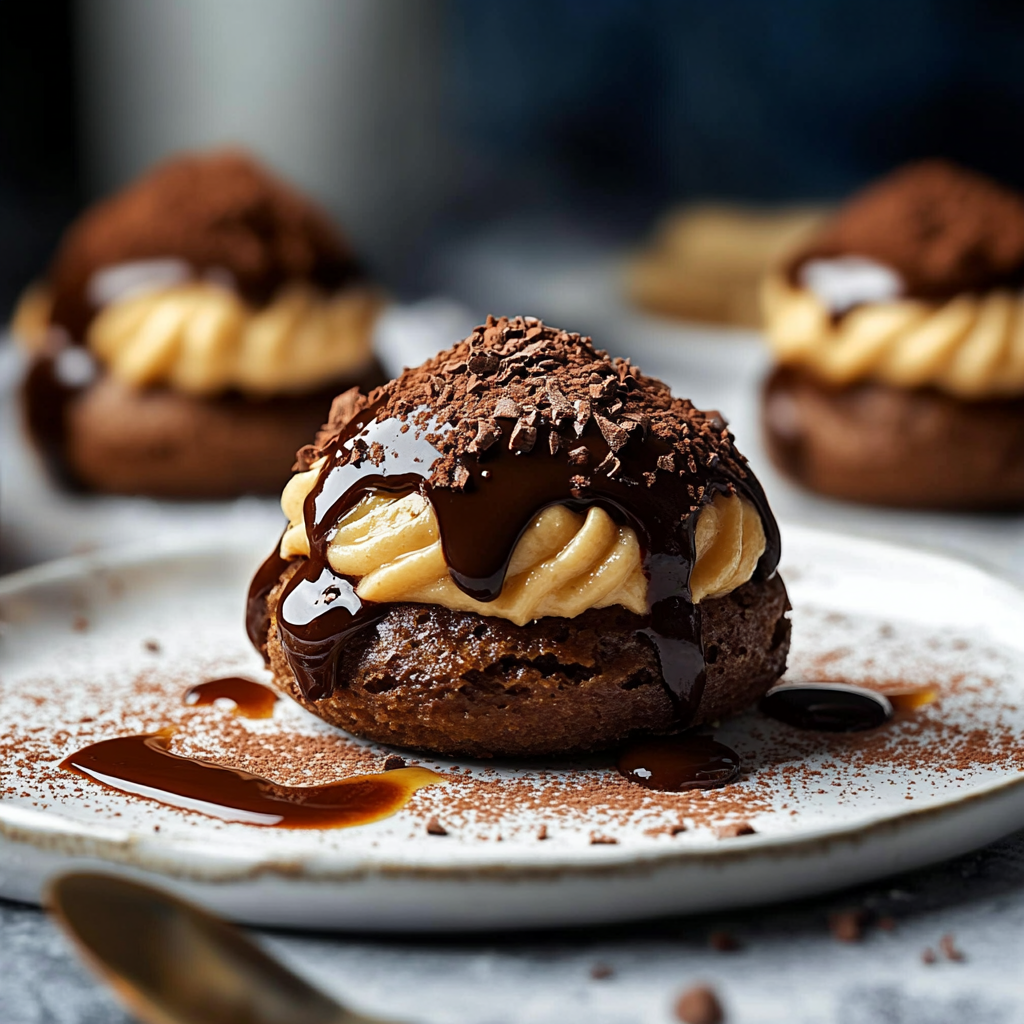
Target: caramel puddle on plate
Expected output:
[911,699]
[143,766]
[251,699]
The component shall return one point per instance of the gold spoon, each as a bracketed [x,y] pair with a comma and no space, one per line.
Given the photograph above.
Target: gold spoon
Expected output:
[169,962]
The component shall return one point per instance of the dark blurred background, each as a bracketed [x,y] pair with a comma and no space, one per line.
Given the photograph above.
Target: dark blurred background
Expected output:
[421,123]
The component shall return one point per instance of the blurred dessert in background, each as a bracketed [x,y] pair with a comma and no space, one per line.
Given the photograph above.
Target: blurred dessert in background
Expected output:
[522,547]
[899,337]
[190,332]
[707,262]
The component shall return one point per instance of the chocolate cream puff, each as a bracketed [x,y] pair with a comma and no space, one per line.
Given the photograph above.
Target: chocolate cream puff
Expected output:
[190,332]
[522,547]
[899,339]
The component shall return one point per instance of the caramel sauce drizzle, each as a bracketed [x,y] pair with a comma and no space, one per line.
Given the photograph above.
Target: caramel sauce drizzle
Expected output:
[143,766]
[251,699]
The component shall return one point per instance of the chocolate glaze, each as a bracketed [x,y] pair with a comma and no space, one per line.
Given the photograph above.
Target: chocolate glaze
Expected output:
[677,763]
[251,699]
[827,707]
[143,766]
[257,620]
[481,523]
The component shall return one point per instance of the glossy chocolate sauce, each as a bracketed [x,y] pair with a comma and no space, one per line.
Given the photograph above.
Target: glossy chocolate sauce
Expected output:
[481,523]
[827,707]
[143,766]
[257,619]
[676,763]
[251,699]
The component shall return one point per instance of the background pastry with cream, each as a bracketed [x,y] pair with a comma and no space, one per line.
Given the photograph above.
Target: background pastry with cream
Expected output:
[204,314]
[898,335]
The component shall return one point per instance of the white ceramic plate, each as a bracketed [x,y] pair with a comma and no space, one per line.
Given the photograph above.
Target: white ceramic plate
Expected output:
[829,811]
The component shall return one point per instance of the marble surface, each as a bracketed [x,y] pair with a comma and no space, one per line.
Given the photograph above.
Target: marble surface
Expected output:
[789,969]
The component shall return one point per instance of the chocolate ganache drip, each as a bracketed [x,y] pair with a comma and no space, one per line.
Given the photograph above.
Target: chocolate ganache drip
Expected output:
[515,419]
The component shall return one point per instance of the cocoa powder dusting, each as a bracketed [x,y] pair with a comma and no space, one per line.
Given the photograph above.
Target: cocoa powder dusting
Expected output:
[538,376]
[219,212]
[969,730]
[944,229]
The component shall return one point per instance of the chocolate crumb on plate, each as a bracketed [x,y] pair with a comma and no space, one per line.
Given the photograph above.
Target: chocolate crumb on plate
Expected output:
[736,828]
[435,828]
[393,761]
[542,832]
[699,1005]
[678,829]
[949,948]
[152,646]
[80,624]
[601,971]
[603,841]
[848,925]
[928,955]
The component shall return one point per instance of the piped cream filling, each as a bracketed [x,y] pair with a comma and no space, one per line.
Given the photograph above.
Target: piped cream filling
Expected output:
[971,346]
[201,338]
[565,562]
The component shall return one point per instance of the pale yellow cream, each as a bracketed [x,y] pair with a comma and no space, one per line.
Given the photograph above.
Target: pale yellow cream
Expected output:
[203,339]
[564,563]
[971,346]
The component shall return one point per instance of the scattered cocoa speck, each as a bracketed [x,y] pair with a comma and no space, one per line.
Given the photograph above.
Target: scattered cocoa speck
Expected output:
[675,830]
[542,832]
[723,942]
[603,841]
[736,828]
[949,949]
[79,623]
[435,828]
[699,1005]
[152,646]
[156,828]
[601,971]
[848,925]
[928,956]
[393,761]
